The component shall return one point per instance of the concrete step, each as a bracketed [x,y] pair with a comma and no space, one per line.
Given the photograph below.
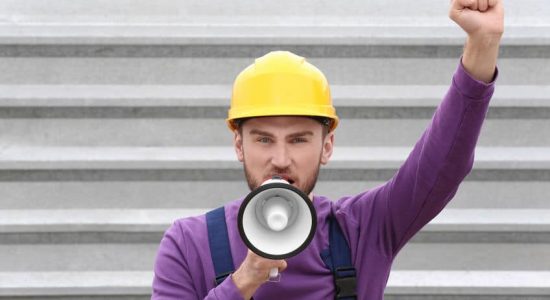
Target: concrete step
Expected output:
[474,256]
[102,101]
[147,225]
[182,132]
[447,285]
[219,164]
[76,285]
[487,225]
[89,225]
[119,194]
[117,22]
[249,37]
[193,70]
[140,257]
[434,285]
[168,115]
[78,257]
[213,98]
[172,11]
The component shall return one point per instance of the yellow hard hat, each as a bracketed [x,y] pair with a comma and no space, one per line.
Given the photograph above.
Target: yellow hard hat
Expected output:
[281,83]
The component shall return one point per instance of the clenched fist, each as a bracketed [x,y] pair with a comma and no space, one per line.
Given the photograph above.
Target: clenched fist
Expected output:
[478,18]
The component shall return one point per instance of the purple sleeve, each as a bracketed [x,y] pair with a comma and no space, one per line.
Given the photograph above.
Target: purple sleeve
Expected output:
[227,290]
[429,177]
[172,278]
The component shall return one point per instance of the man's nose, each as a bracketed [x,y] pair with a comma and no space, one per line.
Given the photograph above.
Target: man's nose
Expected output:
[280,157]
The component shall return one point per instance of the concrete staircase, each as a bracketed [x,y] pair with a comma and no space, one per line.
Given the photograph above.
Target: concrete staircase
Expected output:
[111,121]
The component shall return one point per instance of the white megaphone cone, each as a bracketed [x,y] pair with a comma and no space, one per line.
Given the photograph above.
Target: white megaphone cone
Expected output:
[277,221]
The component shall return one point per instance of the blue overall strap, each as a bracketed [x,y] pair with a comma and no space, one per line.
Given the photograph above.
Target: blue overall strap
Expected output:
[342,268]
[219,244]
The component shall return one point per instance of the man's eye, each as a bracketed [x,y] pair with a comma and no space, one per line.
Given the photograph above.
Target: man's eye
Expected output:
[299,140]
[264,140]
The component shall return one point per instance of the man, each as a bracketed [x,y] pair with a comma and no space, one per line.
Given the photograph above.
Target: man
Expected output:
[283,123]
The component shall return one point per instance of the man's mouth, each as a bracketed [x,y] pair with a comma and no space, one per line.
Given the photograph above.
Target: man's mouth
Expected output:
[284,177]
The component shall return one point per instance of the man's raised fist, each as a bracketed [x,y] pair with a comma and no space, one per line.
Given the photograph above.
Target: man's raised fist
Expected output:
[479,18]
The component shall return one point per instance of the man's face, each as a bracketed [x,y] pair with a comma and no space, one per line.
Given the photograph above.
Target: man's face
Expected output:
[290,147]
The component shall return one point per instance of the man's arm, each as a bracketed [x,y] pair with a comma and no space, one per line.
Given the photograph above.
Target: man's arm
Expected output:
[483,21]
[444,154]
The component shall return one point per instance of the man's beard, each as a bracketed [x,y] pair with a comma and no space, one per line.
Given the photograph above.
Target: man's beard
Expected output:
[307,186]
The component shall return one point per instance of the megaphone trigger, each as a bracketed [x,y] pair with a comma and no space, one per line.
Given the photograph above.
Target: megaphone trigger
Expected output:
[274,275]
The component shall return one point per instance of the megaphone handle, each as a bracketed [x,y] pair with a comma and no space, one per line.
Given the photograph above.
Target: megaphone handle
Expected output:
[274,275]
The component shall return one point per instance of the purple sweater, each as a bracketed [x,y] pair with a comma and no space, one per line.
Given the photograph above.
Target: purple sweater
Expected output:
[376,223]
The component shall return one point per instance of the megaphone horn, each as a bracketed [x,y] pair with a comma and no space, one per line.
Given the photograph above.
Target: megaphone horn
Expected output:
[277,220]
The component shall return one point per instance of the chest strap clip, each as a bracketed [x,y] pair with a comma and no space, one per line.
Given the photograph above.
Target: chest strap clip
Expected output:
[345,281]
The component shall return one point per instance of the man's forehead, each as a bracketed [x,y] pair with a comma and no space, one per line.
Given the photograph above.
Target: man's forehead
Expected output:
[283,123]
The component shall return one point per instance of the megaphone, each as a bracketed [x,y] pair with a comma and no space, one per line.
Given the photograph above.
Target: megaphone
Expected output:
[277,221]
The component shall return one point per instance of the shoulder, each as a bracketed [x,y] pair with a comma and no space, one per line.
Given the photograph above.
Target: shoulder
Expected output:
[182,235]
[188,227]
[356,206]
[193,229]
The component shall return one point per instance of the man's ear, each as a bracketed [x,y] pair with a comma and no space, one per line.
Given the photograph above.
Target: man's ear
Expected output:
[328,145]
[238,145]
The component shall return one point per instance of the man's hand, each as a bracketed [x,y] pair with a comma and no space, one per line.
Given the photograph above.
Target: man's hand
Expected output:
[483,21]
[253,272]
[478,18]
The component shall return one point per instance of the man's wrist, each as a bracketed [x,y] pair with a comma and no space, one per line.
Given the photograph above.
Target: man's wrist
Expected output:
[480,56]
[484,40]
[246,287]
